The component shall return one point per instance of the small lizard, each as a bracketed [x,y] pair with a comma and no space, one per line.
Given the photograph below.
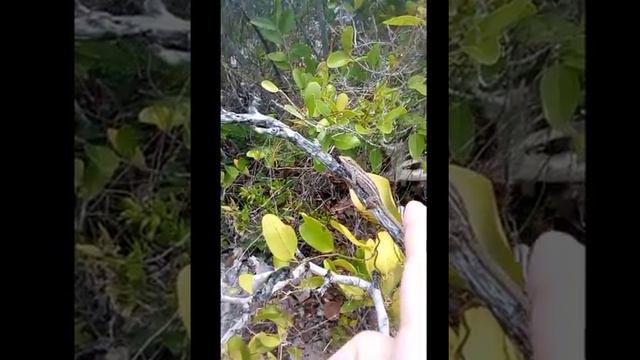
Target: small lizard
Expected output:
[360,179]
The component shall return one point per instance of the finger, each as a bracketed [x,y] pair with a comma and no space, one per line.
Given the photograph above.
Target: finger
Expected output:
[413,291]
[366,345]
[557,291]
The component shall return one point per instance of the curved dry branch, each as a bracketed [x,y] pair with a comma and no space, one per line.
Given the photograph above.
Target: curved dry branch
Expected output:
[264,290]
[268,125]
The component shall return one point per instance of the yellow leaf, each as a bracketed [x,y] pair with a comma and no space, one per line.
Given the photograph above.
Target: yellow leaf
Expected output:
[269,86]
[478,196]
[246,282]
[281,238]
[388,257]
[345,231]
[384,189]
[262,343]
[345,265]
[237,349]
[351,292]
[486,338]
[342,101]
[277,263]
[293,111]
[394,311]
[184,297]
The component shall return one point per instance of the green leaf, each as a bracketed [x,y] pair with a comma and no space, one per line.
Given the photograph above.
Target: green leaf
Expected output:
[347,39]
[338,59]
[322,108]
[375,159]
[313,89]
[237,349]
[485,51]
[78,171]
[264,23]
[346,141]
[163,116]
[361,129]
[90,250]
[357,4]
[269,86]
[352,305]
[345,265]
[546,29]
[385,125]
[273,313]
[311,94]
[94,180]
[293,111]
[298,78]
[301,50]
[281,238]
[124,140]
[373,56]
[418,83]
[503,17]
[461,132]
[404,20]
[287,21]
[277,56]
[104,159]
[230,175]
[183,285]
[272,35]
[262,343]
[137,159]
[255,154]
[315,234]
[342,101]
[417,146]
[560,93]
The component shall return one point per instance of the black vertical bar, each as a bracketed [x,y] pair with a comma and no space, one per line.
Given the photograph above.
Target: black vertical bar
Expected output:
[437,175]
[205,228]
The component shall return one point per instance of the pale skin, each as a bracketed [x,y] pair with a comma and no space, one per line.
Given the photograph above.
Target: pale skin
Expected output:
[556,288]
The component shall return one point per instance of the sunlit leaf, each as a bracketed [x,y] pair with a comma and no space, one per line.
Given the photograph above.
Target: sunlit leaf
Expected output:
[246,282]
[237,349]
[293,111]
[337,59]
[262,343]
[269,86]
[345,231]
[342,101]
[347,39]
[404,20]
[281,238]
[479,199]
[346,141]
[418,83]
[314,233]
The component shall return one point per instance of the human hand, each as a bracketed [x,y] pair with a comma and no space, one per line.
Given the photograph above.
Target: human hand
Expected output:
[556,287]
[413,302]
